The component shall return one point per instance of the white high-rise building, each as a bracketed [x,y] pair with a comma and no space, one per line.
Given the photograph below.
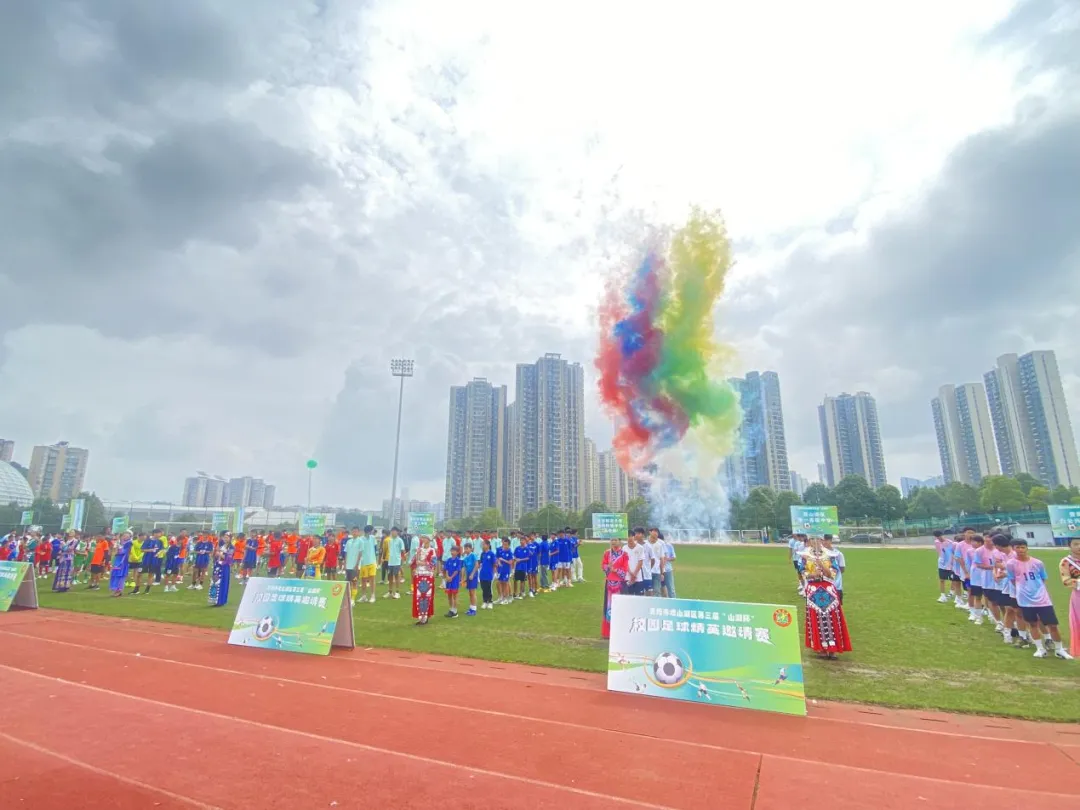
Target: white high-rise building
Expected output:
[798,484]
[591,476]
[964,436]
[616,487]
[476,449]
[548,444]
[761,460]
[7,450]
[851,439]
[58,471]
[1031,419]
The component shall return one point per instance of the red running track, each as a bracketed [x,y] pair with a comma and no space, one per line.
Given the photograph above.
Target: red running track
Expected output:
[115,713]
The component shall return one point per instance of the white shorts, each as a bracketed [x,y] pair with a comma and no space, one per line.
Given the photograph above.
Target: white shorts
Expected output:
[564,566]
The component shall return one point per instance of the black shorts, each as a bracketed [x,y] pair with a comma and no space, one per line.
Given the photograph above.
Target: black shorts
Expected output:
[975,590]
[520,575]
[329,569]
[1043,615]
[993,595]
[350,574]
[1005,600]
[172,567]
[944,574]
[151,566]
[953,577]
[273,571]
[97,569]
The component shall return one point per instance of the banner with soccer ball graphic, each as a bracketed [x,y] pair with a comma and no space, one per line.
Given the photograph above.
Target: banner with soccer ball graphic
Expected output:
[719,653]
[294,615]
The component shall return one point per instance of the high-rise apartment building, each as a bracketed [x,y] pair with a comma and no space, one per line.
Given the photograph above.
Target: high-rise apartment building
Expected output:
[965,438]
[761,458]
[58,471]
[548,444]
[1031,420]
[476,449]
[7,450]
[615,486]
[798,484]
[909,485]
[214,491]
[590,478]
[269,494]
[851,439]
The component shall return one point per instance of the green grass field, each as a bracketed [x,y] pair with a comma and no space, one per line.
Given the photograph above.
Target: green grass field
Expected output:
[909,652]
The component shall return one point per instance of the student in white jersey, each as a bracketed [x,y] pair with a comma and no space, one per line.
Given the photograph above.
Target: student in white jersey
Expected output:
[635,550]
[656,557]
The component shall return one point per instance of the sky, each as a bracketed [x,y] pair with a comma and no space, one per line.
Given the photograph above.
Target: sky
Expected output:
[220,219]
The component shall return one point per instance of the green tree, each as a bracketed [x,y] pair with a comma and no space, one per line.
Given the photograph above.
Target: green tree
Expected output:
[890,502]
[46,514]
[1000,494]
[855,499]
[637,512]
[488,521]
[759,511]
[961,497]
[1038,497]
[928,503]
[1064,494]
[547,519]
[1026,482]
[782,511]
[736,513]
[819,495]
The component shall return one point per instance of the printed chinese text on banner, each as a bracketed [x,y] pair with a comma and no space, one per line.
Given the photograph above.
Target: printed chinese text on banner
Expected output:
[18,586]
[77,511]
[815,521]
[1064,521]
[610,525]
[421,523]
[120,524]
[27,519]
[314,523]
[715,653]
[294,615]
[221,521]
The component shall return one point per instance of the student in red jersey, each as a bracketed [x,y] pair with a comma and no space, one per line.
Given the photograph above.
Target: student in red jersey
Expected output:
[276,546]
[330,561]
[303,545]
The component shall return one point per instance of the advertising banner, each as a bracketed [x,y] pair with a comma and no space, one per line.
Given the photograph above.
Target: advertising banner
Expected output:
[815,521]
[18,586]
[294,615]
[1065,521]
[221,521]
[27,519]
[421,523]
[120,524]
[77,510]
[610,525]
[315,523]
[718,653]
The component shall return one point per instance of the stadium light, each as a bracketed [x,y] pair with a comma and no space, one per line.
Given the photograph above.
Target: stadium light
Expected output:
[400,368]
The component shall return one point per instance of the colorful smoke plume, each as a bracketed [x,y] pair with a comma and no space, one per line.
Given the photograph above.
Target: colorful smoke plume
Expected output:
[662,372]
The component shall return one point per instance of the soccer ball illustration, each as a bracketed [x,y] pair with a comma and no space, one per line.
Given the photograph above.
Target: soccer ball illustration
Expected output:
[265,628]
[668,669]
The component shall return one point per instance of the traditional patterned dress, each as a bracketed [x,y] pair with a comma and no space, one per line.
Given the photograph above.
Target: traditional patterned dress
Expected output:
[65,567]
[423,569]
[119,571]
[218,595]
[615,565]
[1070,578]
[826,629]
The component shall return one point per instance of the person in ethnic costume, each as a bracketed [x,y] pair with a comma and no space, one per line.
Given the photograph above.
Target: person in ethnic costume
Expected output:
[218,595]
[65,566]
[1070,578]
[119,571]
[423,570]
[826,629]
[615,565]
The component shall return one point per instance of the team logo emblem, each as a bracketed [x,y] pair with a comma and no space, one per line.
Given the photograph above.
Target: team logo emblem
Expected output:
[782,617]
[336,590]
[265,628]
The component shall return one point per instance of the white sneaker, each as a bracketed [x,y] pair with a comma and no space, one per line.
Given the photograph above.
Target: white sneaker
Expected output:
[372,599]
[1040,652]
[386,595]
[978,621]
[1063,655]
[962,606]
[532,595]
[1007,636]
[397,595]
[943,598]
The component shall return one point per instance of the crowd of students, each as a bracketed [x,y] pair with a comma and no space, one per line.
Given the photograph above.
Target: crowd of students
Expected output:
[994,578]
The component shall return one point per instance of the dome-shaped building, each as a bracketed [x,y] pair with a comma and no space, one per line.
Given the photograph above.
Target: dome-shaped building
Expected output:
[13,487]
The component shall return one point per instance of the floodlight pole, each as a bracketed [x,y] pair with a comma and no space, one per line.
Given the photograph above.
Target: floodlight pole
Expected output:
[401,369]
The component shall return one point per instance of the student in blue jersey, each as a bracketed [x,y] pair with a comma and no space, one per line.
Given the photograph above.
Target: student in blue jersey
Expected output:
[534,563]
[521,571]
[470,569]
[486,561]
[152,548]
[544,561]
[577,567]
[451,568]
[565,558]
[449,544]
[394,559]
[504,563]
[369,564]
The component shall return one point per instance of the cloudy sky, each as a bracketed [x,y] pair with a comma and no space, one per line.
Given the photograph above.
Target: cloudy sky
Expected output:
[220,219]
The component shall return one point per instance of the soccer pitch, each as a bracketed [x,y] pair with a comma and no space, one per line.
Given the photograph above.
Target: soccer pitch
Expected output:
[909,652]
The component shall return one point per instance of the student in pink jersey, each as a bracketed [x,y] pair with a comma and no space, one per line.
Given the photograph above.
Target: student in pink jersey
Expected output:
[1014,630]
[967,552]
[1029,574]
[958,570]
[944,547]
[982,564]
